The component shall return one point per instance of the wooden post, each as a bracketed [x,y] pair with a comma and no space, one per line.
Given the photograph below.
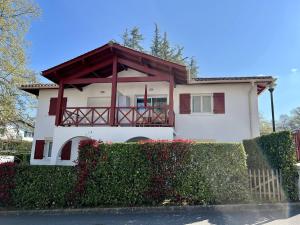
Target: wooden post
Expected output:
[171,101]
[113,92]
[60,97]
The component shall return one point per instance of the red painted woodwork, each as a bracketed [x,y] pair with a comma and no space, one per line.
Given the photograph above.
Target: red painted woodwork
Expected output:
[53,106]
[141,68]
[66,151]
[124,116]
[143,116]
[113,91]
[171,101]
[219,103]
[297,144]
[185,103]
[120,79]
[90,69]
[59,103]
[85,116]
[39,149]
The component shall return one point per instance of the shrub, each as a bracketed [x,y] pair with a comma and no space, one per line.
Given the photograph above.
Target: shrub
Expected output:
[216,173]
[276,151]
[132,174]
[119,175]
[42,186]
[7,173]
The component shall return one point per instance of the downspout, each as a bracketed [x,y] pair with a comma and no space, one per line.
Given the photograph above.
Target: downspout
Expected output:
[250,107]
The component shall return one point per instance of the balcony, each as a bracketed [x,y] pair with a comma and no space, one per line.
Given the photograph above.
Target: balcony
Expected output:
[123,116]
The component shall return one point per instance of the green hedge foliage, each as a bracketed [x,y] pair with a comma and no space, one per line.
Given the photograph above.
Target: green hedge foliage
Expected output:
[42,187]
[133,174]
[216,173]
[276,151]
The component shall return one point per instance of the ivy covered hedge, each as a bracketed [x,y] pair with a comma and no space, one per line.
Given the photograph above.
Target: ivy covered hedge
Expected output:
[275,151]
[133,174]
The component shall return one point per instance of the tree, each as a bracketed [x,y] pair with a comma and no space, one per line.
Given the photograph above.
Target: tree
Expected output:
[15,18]
[165,50]
[193,67]
[133,39]
[290,122]
[156,42]
[160,47]
[265,126]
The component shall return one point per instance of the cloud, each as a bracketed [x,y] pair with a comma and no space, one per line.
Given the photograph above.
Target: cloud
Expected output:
[294,70]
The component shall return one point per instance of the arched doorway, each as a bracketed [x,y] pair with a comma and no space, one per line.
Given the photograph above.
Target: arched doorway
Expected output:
[137,139]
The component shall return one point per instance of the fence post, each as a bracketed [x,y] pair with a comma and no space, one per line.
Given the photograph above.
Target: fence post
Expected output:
[298,170]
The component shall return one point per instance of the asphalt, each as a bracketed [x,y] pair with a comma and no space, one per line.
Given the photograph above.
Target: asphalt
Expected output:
[285,214]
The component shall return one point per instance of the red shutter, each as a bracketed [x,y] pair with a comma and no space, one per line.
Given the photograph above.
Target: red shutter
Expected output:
[219,103]
[66,151]
[184,103]
[53,104]
[39,149]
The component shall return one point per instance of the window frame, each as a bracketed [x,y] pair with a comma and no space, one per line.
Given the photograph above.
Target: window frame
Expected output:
[46,148]
[201,105]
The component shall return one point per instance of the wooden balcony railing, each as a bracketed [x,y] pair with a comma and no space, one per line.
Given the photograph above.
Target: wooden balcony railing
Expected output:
[124,116]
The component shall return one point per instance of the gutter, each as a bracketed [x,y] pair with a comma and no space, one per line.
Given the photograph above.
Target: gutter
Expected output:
[250,107]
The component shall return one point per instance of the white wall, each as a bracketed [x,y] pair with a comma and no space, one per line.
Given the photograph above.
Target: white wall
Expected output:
[232,126]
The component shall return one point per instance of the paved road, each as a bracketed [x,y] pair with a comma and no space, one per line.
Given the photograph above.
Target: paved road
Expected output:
[280,217]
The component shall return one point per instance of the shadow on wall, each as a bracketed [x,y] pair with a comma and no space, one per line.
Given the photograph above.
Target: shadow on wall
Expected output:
[137,139]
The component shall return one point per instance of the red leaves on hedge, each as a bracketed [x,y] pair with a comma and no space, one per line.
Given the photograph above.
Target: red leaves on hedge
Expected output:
[7,174]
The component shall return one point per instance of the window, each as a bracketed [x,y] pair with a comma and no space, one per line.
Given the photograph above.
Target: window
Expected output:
[202,103]
[28,134]
[48,148]
[157,102]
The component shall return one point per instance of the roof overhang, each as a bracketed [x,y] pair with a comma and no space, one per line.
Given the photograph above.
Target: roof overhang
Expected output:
[262,82]
[98,64]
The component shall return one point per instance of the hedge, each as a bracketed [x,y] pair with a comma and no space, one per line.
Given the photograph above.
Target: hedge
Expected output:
[275,151]
[217,173]
[134,174]
[42,187]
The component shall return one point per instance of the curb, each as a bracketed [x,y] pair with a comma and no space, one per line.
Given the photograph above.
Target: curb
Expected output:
[158,209]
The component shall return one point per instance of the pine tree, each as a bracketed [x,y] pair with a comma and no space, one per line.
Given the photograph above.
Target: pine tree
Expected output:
[125,37]
[166,51]
[135,39]
[177,55]
[193,67]
[156,42]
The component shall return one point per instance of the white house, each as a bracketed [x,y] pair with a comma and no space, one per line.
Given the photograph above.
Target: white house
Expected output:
[116,94]
[19,130]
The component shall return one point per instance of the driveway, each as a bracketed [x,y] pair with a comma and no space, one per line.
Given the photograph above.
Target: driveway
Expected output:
[289,215]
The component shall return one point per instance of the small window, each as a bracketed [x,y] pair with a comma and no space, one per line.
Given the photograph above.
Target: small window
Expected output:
[48,148]
[202,103]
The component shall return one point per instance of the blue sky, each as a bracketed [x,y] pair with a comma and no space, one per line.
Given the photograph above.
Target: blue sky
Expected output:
[231,37]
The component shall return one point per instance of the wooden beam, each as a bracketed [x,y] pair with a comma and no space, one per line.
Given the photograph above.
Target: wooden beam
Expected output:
[88,70]
[89,80]
[171,101]
[149,57]
[141,68]
[59,104]
[119,79]
[113,91]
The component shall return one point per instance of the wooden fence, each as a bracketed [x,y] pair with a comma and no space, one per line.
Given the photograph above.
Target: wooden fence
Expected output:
[265,184]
